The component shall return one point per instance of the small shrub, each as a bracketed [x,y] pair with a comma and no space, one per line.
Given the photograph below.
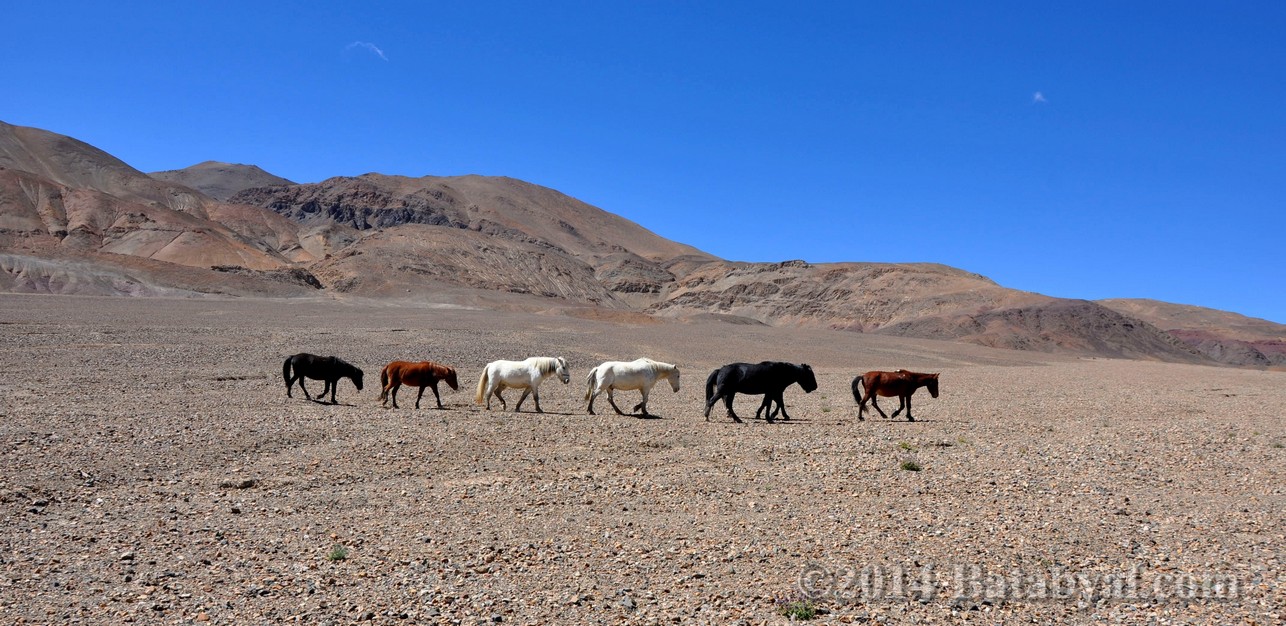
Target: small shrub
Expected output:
[337,553]
[911,465]
[797,609]
[906,446]
[1278,444]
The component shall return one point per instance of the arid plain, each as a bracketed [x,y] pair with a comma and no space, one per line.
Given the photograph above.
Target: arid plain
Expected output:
[154,471]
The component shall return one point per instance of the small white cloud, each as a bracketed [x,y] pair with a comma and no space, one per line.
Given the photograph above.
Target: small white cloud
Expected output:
[370,47]
[1036,98]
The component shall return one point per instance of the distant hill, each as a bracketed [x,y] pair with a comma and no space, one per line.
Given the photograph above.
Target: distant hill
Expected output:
[62,196]
[220,180]
[74,219]
[917,300]
[1220,335]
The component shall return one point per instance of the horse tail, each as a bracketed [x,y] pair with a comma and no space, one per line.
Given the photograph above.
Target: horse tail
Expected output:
[710,385]
[589,382]
[482,384]
[857,395]
[384,383]
[285,372]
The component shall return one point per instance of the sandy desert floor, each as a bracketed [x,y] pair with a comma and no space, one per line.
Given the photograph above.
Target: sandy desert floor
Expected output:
[152,470]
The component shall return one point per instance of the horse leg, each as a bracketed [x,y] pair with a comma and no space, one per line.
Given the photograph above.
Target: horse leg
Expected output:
[525,393]
[503,405]
[611,399]
[418,396]
[333,384]
[437,397]
[535,395]
[901,405]
[781,404]
[642,404]
[727,401]
[875,403]
[303,388]
[908,409]
[593,395]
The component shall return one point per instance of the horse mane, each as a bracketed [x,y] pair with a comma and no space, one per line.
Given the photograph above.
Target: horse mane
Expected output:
[658,366]
[547,365]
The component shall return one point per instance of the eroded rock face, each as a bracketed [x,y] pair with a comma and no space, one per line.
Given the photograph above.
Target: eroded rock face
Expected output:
[361,203]
[632,274]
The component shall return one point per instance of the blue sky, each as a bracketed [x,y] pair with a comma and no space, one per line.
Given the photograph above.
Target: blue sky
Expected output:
[1084,150]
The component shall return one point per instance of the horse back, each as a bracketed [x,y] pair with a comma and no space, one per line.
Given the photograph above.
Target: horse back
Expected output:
[890,384]
[417,374]
[749,378]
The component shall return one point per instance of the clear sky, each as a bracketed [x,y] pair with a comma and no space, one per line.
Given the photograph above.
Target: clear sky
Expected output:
[1077,149]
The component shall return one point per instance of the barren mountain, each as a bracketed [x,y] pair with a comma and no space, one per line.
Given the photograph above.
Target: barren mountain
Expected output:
[916,300]
[1223,336]
[74,219]
[220,180]
[62,198]
[70,164]
[504,208]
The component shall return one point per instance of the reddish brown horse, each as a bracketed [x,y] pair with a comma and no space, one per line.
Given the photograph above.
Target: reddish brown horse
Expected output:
[422,374]
[900,383]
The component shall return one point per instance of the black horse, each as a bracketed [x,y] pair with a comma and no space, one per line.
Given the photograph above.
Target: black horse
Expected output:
[327,368]
[770,378]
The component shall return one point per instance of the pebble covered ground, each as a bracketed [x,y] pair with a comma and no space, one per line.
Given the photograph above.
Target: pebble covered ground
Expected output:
[152,470]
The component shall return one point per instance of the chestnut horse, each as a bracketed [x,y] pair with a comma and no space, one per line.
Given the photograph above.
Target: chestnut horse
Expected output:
[900,383]
[422,374]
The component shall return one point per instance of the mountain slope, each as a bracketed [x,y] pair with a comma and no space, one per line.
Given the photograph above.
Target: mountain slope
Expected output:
[62,196]
[1223,336]
[502,207]
[74,219]
[916,300]
[220,180]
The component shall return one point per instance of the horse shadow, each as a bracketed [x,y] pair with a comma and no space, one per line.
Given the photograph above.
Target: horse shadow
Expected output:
[325,403]
[898,422]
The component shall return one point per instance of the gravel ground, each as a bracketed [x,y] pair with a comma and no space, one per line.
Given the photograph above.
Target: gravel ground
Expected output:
[152,470]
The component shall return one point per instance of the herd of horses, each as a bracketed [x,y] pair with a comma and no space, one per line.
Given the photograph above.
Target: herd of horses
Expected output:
[769,379]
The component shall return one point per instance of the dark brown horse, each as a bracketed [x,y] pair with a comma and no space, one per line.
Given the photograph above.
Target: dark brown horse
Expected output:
[422,374]
[326,368]
[900,383]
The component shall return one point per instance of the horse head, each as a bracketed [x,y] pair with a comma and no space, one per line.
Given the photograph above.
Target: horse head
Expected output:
[451,379]
[931,383]
[562,370]
[356,377]
[674,378]
[806,378]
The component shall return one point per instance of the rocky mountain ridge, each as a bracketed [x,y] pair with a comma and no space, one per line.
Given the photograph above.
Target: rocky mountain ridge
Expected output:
[74,219]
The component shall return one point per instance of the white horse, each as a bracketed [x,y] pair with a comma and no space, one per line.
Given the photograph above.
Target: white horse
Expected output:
[640,374]
[525,375]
